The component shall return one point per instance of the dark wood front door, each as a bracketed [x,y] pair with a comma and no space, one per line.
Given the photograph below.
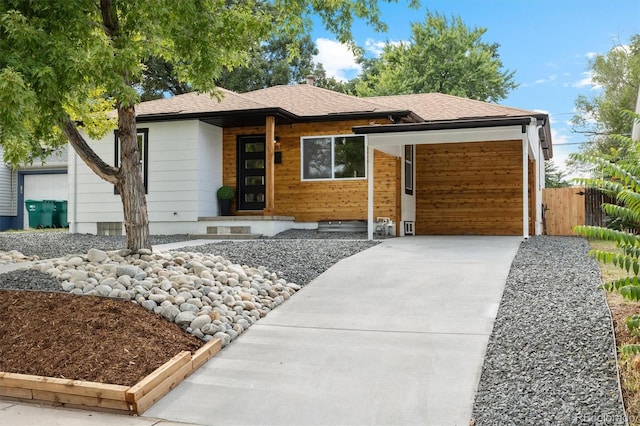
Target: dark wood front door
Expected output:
[251,172]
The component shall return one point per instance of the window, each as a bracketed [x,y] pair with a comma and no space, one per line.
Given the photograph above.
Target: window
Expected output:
[408,169]
[333,157]
[143,149]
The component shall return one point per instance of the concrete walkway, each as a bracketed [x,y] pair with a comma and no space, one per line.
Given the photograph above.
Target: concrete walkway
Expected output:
[393,335]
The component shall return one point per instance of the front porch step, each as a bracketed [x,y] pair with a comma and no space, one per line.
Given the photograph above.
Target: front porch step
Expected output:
[244,236]
[227,232]
[218,230]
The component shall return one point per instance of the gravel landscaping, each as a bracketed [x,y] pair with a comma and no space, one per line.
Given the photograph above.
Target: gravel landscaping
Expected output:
[551,356]
[295,255]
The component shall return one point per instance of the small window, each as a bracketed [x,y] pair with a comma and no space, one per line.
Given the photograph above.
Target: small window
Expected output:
[143,149]
[408,169]
[333,157]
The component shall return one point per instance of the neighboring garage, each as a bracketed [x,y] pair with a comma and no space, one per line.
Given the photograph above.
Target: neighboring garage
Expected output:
[40,185]
[469,188]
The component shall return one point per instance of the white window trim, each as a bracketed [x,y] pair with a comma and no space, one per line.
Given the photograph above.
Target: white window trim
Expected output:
[333,137]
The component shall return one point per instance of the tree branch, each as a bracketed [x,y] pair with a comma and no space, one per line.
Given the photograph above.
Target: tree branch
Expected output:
[84,151]
[109,18]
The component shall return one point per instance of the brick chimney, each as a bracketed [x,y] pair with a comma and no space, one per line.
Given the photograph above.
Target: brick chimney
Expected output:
[311,80]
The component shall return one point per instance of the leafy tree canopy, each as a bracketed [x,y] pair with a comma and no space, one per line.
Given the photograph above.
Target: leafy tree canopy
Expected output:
[444,56]
[618,74]
[62,59]
[69,62]
[553,176]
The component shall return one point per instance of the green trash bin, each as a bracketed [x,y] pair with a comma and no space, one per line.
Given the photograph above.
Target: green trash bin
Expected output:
[46,214]
[60,214]
[34,209]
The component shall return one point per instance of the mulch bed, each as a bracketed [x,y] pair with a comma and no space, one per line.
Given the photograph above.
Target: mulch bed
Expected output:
[85,337]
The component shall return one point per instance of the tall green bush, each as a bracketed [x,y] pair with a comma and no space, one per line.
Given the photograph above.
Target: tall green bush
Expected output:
[618,175]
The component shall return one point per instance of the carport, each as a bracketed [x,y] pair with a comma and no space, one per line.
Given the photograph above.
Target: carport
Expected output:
[473,176]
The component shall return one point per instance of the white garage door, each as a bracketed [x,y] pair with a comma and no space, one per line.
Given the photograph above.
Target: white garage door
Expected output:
[44,187]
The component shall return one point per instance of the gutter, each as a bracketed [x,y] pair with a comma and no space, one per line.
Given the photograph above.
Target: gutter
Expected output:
[278,112]
[174,116]
[443,125]
[468,123]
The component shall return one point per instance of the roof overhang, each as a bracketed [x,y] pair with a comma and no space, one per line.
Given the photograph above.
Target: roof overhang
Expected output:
[237,118]
[256,117]
[459,130]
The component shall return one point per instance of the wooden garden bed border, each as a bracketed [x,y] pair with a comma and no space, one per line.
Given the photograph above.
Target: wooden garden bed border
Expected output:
[132,400]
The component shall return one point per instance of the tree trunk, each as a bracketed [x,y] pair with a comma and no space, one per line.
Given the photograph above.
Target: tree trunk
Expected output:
[127,178]
[130,183]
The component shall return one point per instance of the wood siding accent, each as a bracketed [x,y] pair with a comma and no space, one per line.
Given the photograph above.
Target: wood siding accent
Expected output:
[469,188]
[312,201]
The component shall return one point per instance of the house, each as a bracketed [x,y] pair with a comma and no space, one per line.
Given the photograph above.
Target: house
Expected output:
[298,155]
[40,180]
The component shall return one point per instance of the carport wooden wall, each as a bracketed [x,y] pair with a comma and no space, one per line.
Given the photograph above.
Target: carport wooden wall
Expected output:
[469,188]
[312,201]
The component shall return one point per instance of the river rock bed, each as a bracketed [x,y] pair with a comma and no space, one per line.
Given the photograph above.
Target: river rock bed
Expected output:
[206,294]
[213,290]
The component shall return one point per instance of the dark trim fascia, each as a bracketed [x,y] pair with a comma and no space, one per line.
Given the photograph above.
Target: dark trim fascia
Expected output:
[444,125]
[278,112]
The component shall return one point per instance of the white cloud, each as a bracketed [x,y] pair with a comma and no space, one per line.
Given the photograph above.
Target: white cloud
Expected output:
[591,55]
[336,58]
[374,46]
[546,80]
[559,138]
[587,81]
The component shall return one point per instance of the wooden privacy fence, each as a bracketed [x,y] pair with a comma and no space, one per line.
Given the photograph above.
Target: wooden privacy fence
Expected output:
[564,208]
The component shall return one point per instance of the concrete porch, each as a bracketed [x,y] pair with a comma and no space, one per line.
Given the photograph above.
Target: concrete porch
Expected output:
[246,227]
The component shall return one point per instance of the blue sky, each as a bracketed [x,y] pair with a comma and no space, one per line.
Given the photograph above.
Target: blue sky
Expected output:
[547,43]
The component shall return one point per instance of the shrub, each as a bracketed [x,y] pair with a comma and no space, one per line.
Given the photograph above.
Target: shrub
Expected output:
[618,176]
[225,193]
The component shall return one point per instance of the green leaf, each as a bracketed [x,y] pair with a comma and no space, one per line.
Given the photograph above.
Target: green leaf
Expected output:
[630,292]
[630,350]
[633,322]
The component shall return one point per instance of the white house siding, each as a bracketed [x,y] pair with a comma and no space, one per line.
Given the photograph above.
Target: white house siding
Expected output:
[210,168]
[173,181]
[8,192]
[172,178]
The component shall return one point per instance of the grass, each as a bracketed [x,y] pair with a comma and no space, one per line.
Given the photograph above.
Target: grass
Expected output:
[629,367]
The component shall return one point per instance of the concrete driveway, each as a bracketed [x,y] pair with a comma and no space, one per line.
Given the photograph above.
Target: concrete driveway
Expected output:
[393,335]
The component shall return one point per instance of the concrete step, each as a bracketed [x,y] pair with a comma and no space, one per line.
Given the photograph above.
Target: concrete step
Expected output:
[218,230]
[229,236]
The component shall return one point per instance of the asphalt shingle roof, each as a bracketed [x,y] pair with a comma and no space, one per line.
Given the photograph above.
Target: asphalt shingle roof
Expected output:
[438,106]
[305,100]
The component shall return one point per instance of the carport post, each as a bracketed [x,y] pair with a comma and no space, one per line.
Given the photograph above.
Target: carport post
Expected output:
[525,185]
[370,193]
